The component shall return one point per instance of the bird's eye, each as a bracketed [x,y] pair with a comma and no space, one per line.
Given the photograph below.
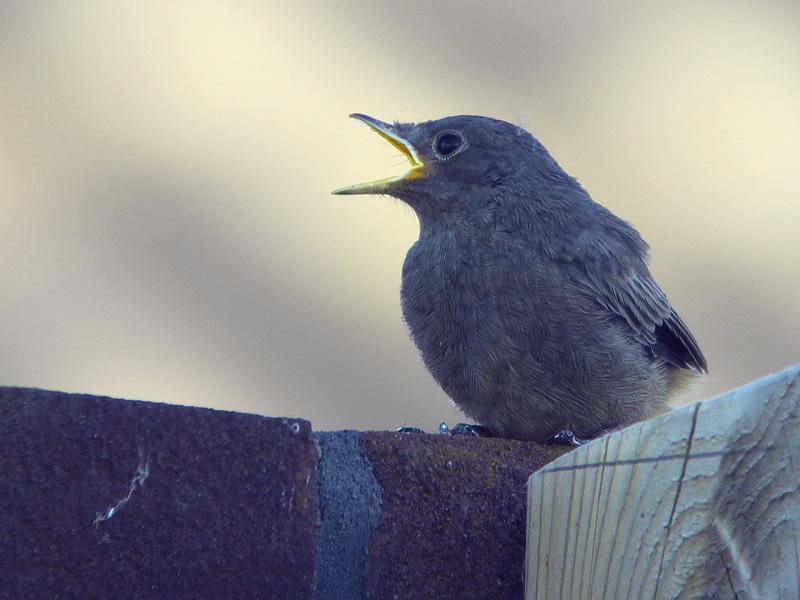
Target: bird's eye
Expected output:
[447,144]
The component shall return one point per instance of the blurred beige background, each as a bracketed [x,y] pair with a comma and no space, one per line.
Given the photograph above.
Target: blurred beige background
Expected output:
[167,230]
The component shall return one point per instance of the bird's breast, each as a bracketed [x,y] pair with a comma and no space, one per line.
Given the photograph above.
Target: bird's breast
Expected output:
[450,297]
[439,293]
[482,310]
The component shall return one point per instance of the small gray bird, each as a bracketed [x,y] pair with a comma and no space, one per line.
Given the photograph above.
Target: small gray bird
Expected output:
[531,304]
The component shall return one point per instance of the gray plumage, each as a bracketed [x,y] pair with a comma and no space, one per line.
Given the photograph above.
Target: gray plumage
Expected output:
[531,304]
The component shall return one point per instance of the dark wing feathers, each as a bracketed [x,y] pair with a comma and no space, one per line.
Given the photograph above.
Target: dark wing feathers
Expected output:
[630,292]
[677,345]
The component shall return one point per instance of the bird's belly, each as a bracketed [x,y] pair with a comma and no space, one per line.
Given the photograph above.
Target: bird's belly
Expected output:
[443,327]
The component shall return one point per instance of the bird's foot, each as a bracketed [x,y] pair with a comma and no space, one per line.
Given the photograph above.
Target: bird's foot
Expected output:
[468,429]
[565,438]
[408,429]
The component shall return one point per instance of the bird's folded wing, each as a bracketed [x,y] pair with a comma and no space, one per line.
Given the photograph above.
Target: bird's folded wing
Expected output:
[629,292]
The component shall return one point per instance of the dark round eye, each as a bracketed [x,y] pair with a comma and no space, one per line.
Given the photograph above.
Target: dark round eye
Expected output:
[447,143]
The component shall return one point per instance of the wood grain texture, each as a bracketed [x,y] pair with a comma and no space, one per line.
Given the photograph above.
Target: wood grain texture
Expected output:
[702,502]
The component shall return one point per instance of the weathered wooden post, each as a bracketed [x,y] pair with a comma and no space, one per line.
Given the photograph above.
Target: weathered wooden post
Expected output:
[702,502]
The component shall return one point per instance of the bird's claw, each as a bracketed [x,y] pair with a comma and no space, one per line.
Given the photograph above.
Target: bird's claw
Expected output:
[408,429]
[467,429]
[565,438]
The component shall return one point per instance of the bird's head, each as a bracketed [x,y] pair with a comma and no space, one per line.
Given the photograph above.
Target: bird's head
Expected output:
[457,161]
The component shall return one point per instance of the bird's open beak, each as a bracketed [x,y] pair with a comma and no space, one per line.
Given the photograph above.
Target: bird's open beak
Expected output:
[379,186]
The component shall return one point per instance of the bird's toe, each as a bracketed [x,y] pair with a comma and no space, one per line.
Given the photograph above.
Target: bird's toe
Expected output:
[565,437]
[408,429]
[467,429]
